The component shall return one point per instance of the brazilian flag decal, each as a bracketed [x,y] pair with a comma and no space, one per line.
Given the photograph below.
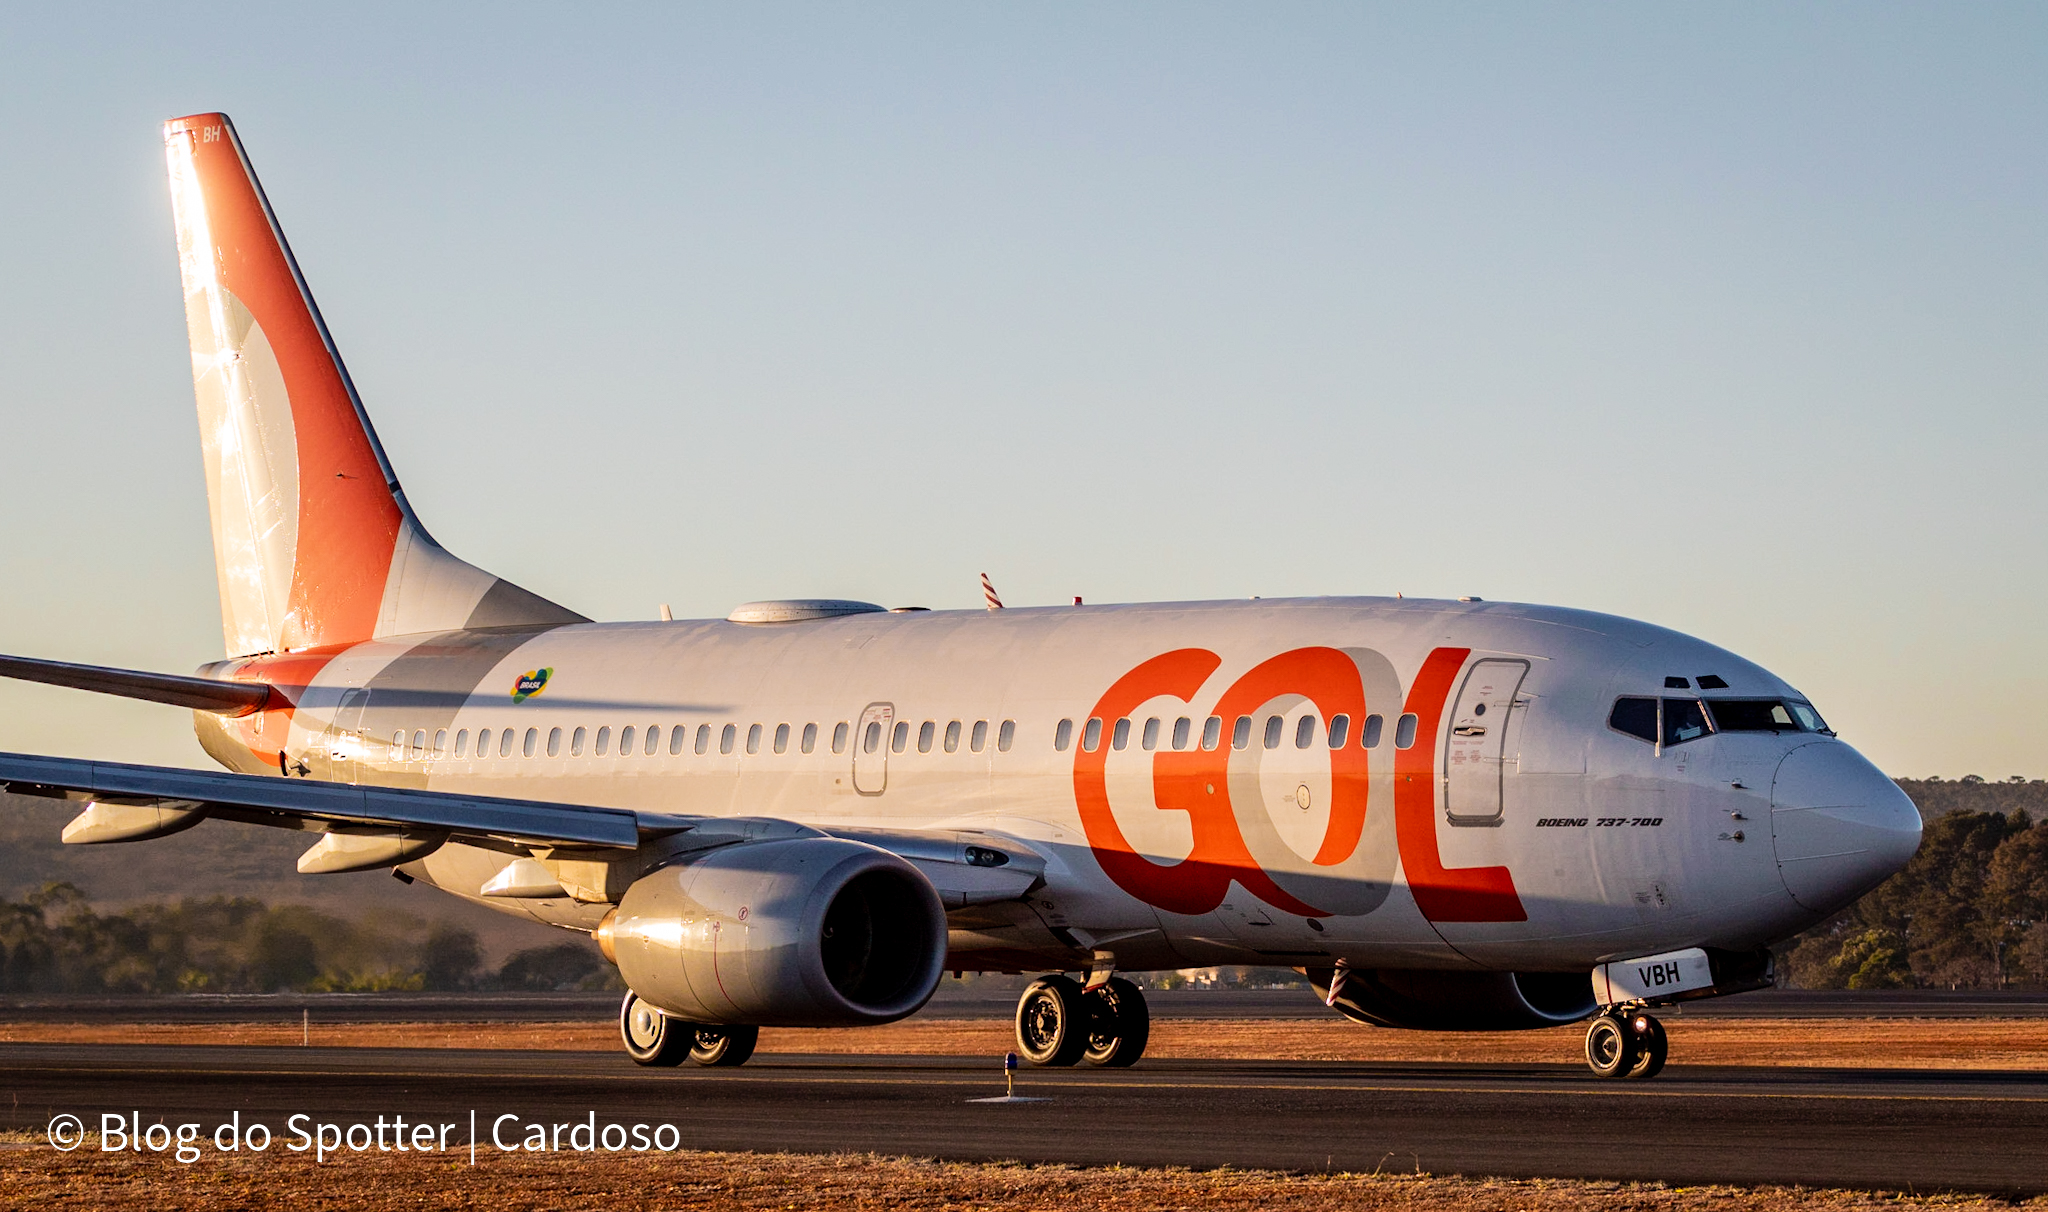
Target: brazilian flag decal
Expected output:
[530,683]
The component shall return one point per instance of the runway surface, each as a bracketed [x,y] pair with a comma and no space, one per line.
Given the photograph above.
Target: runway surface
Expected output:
[952,1002]
[1891,1129]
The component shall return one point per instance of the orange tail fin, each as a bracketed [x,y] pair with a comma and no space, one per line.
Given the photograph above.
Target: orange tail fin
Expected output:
[312,537]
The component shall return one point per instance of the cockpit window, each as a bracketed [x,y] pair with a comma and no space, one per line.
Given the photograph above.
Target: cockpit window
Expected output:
[1684,720]
[1806,715]
[1675,721]
[1636,717]
[1765,715]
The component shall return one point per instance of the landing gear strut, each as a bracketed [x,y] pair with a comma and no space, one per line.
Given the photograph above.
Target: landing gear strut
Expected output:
[653,1038]
[1626,1044]
[1059,1023]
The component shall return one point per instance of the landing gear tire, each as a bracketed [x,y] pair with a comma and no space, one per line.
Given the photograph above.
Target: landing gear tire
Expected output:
[1118,1024]
[651,1037]
[721,1046]
[1611,1047]
[1052,1022]
[1651,1046]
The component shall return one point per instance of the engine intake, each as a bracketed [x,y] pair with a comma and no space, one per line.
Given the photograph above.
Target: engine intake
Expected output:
[801,932]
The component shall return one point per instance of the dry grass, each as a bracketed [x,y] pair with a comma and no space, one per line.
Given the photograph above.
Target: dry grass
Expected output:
[1838,1043]
[36,1177]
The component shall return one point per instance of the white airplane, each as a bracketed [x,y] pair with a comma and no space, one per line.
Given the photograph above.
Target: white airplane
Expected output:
[1449,815]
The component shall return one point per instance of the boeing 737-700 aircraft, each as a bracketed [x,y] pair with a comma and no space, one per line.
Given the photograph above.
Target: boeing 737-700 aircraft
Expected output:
[1449,815]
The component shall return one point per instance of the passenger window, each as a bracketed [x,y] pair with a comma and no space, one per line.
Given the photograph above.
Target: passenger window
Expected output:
[505,743]
[899,739]
[554,742]
[1091,734]
[1636,717]
[810,740]
[653,740]
[703,738]
[926,733]
[532,742]
[753,738]
[1005,735]
[953,736]
[977,740]
[1212,732]
[483,742]
[1305,732]
[1241,733]
[398,745]
[873,740]
[626,737]
[1062,736]
[675,739]
[1182,728]
[576,743]
[440,742]
[1149,740]
[419,746]
[1370,738]
[1684,720]
[1274,725]
[782,738]
[1121,737]
[1404,730]
[1340,730]
[603,744]
[462,742]
[839,737]
[727,737]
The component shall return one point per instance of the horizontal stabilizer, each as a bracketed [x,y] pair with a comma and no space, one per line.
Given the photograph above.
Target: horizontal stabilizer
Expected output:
[199,694]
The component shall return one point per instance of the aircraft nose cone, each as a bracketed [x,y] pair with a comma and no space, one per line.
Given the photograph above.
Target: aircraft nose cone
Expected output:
[1838,824]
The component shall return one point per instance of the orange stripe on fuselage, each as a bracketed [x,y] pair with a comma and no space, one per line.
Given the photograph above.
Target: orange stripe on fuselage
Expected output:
[268,731]
[1444,894]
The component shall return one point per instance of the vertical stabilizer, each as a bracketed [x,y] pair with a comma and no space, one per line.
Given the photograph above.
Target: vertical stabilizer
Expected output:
[312,538]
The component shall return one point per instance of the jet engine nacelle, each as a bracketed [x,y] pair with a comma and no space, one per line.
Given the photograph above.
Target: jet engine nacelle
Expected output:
[1431,1000]
[798,932]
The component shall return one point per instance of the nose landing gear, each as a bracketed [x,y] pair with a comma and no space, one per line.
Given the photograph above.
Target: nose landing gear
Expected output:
[1627,1044]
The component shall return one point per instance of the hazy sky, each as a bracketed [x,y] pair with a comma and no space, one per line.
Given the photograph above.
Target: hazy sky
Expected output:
[1727,317]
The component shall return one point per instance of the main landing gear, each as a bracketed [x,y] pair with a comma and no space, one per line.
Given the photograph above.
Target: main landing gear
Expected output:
[1624,1043]
[1060,1023]
[653,1038]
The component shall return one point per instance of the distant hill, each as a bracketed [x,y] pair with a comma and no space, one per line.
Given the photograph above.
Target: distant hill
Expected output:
[1939,797]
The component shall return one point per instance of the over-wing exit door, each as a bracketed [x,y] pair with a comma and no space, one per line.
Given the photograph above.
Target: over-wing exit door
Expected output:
[1475,750]
[871,748]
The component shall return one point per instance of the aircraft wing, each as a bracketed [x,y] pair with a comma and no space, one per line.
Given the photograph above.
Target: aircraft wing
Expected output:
[181,797]
[134,803]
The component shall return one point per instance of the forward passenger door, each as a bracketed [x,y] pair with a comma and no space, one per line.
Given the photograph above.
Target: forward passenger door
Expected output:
[1475,747]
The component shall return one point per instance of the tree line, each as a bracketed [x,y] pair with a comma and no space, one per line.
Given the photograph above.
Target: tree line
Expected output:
[54,941]
[1969,912]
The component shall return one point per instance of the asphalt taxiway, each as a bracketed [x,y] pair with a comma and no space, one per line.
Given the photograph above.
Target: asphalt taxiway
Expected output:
[1889,1129]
